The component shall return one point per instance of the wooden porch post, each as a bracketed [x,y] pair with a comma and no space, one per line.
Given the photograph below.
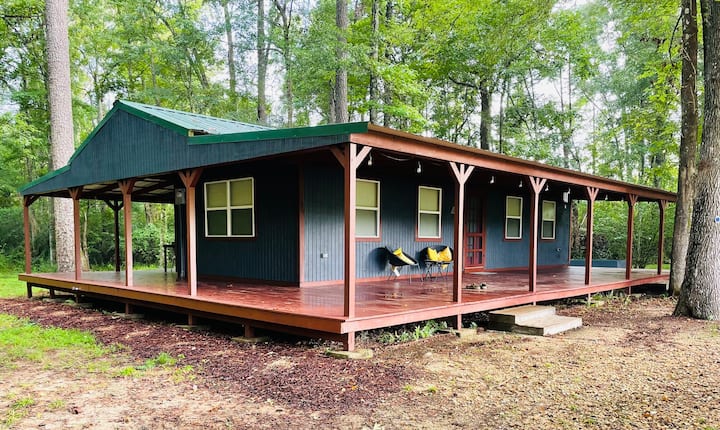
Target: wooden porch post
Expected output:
[75,194]
[126,187]
[190,179]
[462,173]
[537,185]
[27,201]
[662,204]
[592,193]
[632,199]
[350,158]
[116,206]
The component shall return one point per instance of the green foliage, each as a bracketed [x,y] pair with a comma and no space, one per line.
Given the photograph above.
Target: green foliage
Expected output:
[417,332]
[146,244]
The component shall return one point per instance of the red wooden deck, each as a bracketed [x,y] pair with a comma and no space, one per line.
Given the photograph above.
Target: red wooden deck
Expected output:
[318,311]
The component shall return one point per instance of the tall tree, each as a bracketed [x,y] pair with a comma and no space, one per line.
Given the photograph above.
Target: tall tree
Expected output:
[227,26]
[700,293]
[262,63]
[340,99]
[688,144]
[61,123]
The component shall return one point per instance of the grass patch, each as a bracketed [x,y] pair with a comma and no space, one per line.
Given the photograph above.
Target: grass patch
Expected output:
[19,409]
[20,339]
[10,286]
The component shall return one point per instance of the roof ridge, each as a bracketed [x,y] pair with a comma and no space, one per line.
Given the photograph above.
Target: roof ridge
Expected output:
[175,117]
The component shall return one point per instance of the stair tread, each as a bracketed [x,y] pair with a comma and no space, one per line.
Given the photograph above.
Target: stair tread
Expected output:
[520,314]
[551,320]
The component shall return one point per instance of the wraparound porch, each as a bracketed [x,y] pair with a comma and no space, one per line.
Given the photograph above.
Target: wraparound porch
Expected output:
[319,311]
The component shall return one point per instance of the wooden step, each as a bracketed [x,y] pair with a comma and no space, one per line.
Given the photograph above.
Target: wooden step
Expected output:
[521,314]
[532,320]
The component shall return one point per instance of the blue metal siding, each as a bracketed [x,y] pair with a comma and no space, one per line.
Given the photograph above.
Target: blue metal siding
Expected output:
[272,254]
[501,253]
[398,218]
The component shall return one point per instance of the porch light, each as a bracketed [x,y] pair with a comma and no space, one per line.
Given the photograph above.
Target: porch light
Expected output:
[547,188]
[179,196]
[369,159]
[419,168]
[606,197]
[492,179]
[520,186]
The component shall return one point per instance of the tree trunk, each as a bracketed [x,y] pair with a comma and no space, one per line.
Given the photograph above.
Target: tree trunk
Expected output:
[230,54]
[374,55]
[700,292]
[286,14]
[688,145]
[485,117]
[387,96]
[262,58]
[61,124]
[341,89]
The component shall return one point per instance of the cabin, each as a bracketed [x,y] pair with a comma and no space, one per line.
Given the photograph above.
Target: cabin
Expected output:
[298,229]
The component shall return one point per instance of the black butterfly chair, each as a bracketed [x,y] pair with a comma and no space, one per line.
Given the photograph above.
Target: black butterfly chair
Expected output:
[397,262]
[432,267]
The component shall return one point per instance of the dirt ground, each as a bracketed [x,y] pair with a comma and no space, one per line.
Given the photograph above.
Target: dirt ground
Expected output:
[631,366]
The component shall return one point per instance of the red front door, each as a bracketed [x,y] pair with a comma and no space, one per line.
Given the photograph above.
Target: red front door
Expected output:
[474,230]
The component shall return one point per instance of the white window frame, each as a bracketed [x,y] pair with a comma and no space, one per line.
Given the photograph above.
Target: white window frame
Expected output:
[369,208]
[508,217]
[438,212]
[228,208]
[543,219]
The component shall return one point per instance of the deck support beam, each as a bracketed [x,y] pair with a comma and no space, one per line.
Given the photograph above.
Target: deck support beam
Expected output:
[632,200]
[75,193]
[349,341]
[662,205]
[350,158]
[126,188]
[27,201]
[461,172]
[592,193]
[536,186]
[116,206]
[190,179]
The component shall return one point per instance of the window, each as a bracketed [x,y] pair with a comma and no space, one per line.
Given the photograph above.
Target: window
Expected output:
[513,217]
[367,208]
[548,220]
[229,208]
[429,203]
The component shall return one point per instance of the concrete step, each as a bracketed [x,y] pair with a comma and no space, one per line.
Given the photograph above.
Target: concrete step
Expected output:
[532,320]
[521,314]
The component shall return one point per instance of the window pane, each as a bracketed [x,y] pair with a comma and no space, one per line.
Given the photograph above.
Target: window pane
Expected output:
[429,199]
[366,223]
[241,193]
[216,195]
[217,223]
[429,225]
[242,222]
[513,206]
[548,230]
[512,228]
[367,194]
[548,211]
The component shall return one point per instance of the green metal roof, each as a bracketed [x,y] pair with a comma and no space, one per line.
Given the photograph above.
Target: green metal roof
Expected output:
[198,124]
